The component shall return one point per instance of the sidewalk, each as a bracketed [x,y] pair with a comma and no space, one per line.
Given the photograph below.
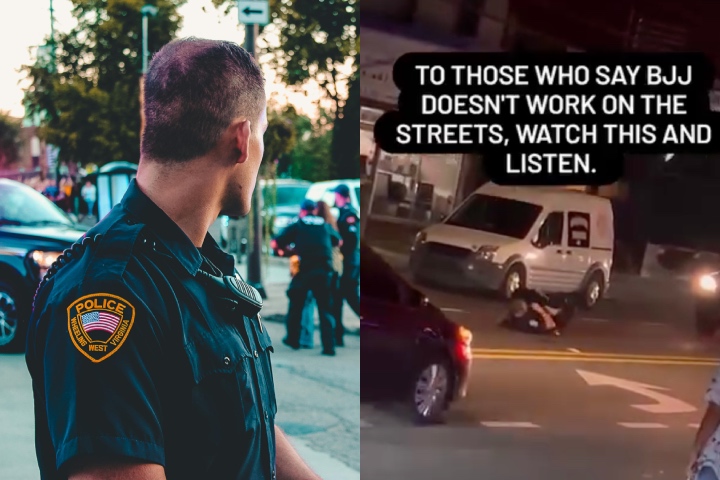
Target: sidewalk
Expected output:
[319,404]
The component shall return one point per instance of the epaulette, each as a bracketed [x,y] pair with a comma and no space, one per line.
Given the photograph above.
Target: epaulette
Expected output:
[74,252]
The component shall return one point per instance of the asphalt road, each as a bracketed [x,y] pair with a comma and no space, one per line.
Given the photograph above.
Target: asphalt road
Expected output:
[618,396]
[543,420]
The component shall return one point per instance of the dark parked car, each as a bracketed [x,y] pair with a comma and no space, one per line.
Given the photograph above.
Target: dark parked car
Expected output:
[409,348]
[33,233]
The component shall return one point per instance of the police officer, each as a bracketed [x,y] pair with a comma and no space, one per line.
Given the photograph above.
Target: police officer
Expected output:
[349,226]
[147,354]
[313,241]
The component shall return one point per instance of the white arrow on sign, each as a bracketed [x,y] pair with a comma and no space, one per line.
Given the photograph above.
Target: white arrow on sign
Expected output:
[664,403]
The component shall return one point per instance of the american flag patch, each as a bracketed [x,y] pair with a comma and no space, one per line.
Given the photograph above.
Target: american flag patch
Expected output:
[103,321]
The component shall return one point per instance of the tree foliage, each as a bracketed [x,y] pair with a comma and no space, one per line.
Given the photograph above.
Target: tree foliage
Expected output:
[9,140]
[91,100]
[310,158]
[317,38]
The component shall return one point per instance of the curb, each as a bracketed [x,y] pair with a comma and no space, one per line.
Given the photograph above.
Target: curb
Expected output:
[280,318]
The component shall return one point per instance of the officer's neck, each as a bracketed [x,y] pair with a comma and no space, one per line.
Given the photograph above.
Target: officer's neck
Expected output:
[188,197]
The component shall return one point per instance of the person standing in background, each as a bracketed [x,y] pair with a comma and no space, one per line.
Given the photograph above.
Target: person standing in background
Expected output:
[348,224]
[89,194]
[324,212]
[313,241]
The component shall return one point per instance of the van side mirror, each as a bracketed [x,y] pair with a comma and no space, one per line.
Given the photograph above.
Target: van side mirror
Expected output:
[541,239]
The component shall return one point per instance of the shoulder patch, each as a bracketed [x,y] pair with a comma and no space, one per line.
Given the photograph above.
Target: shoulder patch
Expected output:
[350,219]
[99,324]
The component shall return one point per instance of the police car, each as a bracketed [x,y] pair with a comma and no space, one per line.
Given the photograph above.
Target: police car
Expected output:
[33,233]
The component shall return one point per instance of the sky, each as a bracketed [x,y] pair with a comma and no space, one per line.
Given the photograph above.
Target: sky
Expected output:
[25,24]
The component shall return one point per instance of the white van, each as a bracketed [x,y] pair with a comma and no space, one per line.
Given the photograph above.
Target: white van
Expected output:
[501,238]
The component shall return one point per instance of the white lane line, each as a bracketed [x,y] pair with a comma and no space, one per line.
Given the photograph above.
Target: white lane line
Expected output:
[509,425]
[694,425]
[574,350]
[642,425]
[364,424]
[593,319]
[454,310]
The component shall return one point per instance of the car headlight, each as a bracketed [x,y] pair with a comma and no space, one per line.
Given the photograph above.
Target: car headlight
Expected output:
[708,283]
[43,260]
[486,252]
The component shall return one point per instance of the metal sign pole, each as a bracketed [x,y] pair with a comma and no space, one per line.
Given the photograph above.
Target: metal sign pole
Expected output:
[254,267]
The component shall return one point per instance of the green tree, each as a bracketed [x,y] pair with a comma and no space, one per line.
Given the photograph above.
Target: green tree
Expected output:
[91,100]
[9,140]
[318,39]
[310,159]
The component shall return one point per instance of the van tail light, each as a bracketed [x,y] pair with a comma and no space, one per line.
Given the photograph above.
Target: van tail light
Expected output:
[464,344]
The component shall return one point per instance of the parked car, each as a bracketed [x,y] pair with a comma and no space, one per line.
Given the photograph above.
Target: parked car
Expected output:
[283,204]
[33,233]
[325,191]
[409,348]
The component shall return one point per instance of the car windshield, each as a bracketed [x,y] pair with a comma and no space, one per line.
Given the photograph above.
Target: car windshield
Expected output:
[285,195]
[22,205]
[502,216]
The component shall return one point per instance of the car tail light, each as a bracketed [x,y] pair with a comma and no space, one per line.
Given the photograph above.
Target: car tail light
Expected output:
[464,344]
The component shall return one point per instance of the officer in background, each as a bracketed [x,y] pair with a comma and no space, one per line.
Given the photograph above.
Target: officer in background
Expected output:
[313,241]
[146,351]
[349,227]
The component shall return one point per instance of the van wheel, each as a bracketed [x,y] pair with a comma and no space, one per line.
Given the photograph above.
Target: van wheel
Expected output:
[593,291]
[514,280]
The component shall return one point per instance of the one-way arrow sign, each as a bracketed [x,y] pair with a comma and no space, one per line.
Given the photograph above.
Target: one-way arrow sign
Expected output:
[253,12]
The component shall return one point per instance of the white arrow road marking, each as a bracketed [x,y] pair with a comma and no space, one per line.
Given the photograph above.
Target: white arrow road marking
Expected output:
[642,425]
[664,403]
[509,425]
[453,310]
[694,425]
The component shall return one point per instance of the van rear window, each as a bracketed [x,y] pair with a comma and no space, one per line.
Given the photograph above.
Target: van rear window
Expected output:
[502,216]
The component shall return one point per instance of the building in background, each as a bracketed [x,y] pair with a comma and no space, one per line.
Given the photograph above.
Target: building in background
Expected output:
[409,191]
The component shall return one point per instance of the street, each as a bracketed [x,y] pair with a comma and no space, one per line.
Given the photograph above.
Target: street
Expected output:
[618,395]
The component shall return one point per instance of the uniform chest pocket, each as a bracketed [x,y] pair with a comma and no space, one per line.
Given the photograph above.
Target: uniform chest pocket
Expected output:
[223,392]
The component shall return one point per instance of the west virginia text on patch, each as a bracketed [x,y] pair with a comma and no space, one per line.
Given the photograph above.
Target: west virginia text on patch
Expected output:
[99,324]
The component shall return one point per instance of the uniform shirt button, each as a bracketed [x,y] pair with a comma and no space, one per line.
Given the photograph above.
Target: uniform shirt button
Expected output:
[266,414]
[255,353]
[227,360]
[273,473]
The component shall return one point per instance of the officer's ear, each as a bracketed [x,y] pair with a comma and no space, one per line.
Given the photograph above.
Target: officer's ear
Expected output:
[241,133]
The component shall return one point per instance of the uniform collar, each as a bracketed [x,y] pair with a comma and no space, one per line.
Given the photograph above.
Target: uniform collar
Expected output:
[164,229]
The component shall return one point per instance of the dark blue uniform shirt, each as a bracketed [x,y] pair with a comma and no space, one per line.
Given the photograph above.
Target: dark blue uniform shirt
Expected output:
[314,240]
[349,227]
[131,357]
